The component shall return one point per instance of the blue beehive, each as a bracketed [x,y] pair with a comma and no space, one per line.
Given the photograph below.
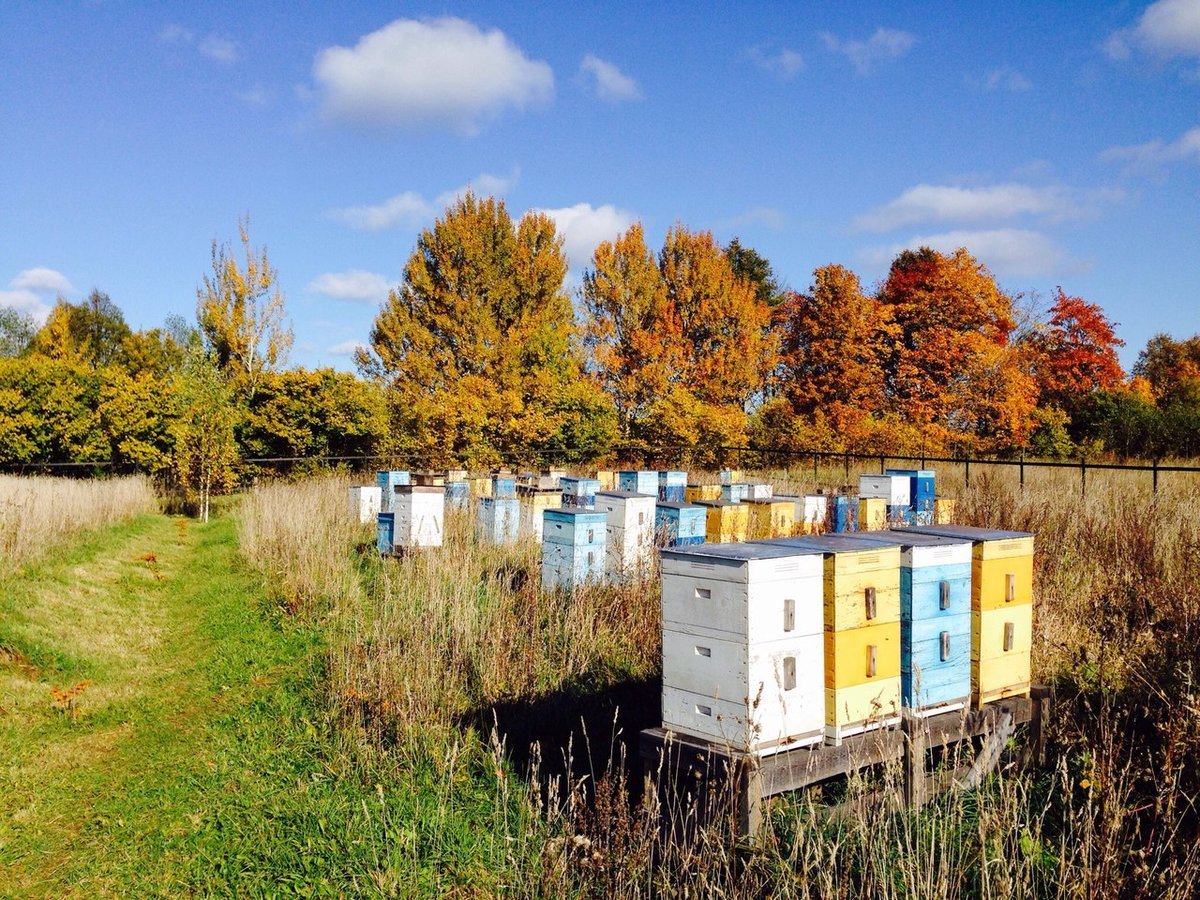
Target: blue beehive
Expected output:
[573,548]
[498,520]
[458,494]
[679,524]
[504,487]
[385,531]
[923,489]
[671,486]
[387,481]
[734,493]
[844,514]
[579,492]
[640,481]
[935,620]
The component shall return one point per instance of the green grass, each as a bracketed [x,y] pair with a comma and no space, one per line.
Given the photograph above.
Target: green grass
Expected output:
[201,759]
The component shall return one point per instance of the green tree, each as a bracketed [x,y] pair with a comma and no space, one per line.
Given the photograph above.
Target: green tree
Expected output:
[92,331]
[204,446]
[749,264]
[16,331]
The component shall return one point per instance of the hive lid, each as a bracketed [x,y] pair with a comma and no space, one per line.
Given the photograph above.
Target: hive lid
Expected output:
[624,495]
[574,512]
[718,503]
[664,504]
[420,489]
[741,552]
[908,537]
[971,532]
[834,543]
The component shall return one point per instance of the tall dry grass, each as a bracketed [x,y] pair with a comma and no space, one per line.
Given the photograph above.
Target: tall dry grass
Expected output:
[38,512]
[421,649]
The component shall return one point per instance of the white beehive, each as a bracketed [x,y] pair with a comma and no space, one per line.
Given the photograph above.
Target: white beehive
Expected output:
[364,502]
[420,515]
[630,532]
[895,489]
[759,491]
[743,645]
[497,520]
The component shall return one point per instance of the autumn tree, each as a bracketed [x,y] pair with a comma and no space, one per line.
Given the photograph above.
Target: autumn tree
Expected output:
[1170,366]
[204,446]
[476,345]
[91,331]
[240,310]
[1076,353]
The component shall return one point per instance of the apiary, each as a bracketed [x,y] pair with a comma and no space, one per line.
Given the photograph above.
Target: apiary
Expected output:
[364,502]
[759,491]
[384,529]
[420,516]
[497,520]
[504,487]
[579,492]
[1001,609]
[771,518]
[607,479]
[630,532]
[458,494]
[731,476]
[640,481]
[388,481]
[743,645]
[679,524]
[893,490]
[533,502]
[671,486]
[922,488]
[735,493]
[935,620]
[872,514]
[726,522]
[862,631]
[843,518]
[694,493]
[480,487]
[573,548]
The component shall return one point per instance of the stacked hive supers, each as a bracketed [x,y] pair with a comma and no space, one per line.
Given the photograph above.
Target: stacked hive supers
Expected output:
[498,520]
[638,481]
[573,548]
[774,517]
[679,524]
[671,486]
[419,516]
[388,481]
[725,521]
[630,528]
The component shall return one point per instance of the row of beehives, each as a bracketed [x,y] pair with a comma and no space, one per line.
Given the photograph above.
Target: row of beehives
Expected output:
[774,644]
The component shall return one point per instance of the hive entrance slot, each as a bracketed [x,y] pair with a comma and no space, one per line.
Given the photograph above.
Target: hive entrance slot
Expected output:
[703,594]
[703,651]
[703,710]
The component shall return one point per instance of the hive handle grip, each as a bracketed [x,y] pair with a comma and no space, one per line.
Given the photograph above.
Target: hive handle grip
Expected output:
[945,645]
[944,595]
[869,596]
[1009,632]
[1010,588]
[872,653]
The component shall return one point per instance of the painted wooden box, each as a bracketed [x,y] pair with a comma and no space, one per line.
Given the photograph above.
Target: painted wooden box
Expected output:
[935,620]
[730,476]
[843,516]
[630,533]
[814,519]
[481,487]
[638,481]
[573,548]
[388,481]
[498,520]
[743,645]
[679,524]
[364,502]
[671,486]
[894,490]
[726,522]
[428,479]
[862,631]
[455,475]
[533,502]
[922,487]
[694,493]
[1001,609]
[384,529]
[420,516]
[943,511]
[872,514]
[760,491]
[579,492]
[504,487]
[771,518]
[734,493]
[607,479]
[458,494]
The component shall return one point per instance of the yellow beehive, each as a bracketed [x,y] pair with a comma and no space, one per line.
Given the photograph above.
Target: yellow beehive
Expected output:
[771,518]
[695,493]
[732,476]
[872,514]
[943,510]
[481,487]
[726,522]
[607,479]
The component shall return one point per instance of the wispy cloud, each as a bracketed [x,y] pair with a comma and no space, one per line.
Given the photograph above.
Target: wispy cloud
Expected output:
[991,204]
[783,64]
[410,209]
[1002,78]
[1166,29]
[1158,153]
[885,45]
[1011,252]
[218,48]
[584,226]
[609,82]
[33,291]
[347,348]
[430,73]
[355,284]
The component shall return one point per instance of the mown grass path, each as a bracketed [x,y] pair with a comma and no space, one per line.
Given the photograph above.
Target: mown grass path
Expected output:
[193,760]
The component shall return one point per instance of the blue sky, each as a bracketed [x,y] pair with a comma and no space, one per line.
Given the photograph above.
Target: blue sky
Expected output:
[1059,142]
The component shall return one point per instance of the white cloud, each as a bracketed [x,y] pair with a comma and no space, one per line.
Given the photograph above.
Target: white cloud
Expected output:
[1167,28]
[411,210]
[783,64]
[1157,153]
[347,348]
[432,73]
[219,49]
[583,226]
[1003,78]
[1006,251]
[610,83]
[885,45]
[355,284]
[33,291]
[173,33]
[766,216]
[946,203]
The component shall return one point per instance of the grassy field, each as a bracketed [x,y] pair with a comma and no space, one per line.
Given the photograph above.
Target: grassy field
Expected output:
[268,709]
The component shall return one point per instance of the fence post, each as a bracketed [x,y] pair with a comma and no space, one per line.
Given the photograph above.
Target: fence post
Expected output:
[814,470]
[1022,470]
[967,460]
[882,465]
[1082,476]
[847,467]
[1154,467]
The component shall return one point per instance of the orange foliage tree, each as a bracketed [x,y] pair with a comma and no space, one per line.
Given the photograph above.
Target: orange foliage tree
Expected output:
[1076,353]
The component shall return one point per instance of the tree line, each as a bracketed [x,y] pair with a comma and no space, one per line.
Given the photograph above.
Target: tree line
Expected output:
[484,355]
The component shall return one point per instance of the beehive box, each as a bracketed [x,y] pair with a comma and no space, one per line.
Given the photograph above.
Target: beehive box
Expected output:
[579,492]
[504,487]
[384,530]
[497,520]
[815,519]
[743,645]
[420,516]
[935,620]
[731,476]
[726,522]
[458,494]
[893,490]
[922,487]
[872,514]
[607,479]
[364,503]
[735,493]
[638,481]
[533,502]
[630,532]
[679,524]
[455,475]
[428,479]
[943,511]
[759,491]
[573,548]
[694,493]
[388,481]
[1001,609]
[481,487]
[671,486]
[843,517]
[771,518]
[862,631]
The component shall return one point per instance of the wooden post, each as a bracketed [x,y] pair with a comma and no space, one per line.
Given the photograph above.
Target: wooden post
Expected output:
[1154,467]
[1082,476]
[882,465]
[916,742]
[1039,696]
[748,787]
[1022,470]
[968,475]
[847,461]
